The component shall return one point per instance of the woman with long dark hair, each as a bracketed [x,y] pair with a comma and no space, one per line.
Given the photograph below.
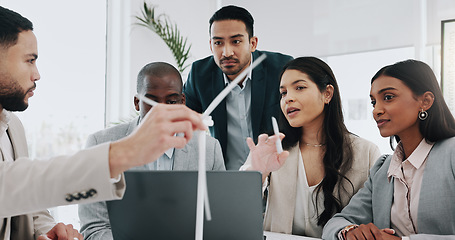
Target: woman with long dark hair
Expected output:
[409,194]
[323,165]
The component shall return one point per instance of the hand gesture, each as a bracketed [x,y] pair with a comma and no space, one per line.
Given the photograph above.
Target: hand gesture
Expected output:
[264,155]
[62,232]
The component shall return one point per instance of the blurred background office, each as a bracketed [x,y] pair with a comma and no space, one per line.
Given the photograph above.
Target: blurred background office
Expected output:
[90,53]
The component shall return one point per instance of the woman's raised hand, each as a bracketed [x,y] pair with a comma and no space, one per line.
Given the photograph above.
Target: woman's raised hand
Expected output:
[264,155]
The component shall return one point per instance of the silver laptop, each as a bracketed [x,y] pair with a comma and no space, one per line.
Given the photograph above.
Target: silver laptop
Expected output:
[162,205]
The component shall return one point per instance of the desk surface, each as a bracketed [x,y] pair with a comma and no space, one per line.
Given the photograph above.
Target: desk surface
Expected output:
[280,236]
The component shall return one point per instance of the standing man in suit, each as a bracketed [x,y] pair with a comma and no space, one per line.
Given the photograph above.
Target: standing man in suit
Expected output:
[162,83]
[248,108]
[29,186]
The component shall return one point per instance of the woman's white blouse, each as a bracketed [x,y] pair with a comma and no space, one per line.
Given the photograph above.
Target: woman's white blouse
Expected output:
[305,214]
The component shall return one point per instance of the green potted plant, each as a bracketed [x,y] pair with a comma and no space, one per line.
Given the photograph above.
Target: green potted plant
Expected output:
[168,31]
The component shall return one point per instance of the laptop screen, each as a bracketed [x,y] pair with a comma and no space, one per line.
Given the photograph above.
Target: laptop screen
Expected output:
[162,205]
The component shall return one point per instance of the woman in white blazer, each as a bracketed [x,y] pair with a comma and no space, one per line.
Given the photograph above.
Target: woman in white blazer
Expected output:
[410,194]
[326,164]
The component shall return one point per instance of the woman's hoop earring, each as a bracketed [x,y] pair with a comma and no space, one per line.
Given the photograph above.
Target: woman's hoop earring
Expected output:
[423,115]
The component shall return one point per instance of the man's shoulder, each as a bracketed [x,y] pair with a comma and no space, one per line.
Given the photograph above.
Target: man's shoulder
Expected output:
[273,56]
[115,132]
[210,141]
[204,64]
[201,73]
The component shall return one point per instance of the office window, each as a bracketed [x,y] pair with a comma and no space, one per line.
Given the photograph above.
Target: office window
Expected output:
[68,104]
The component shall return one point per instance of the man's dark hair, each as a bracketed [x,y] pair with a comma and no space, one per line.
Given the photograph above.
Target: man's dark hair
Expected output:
[11,24]
[158,69]
[234,13]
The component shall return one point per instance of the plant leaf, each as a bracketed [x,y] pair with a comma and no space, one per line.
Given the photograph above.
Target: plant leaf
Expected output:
[168,32]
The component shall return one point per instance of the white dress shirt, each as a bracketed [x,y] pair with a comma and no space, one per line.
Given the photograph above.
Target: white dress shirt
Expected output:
[238,108]
[164,162]
[407,174]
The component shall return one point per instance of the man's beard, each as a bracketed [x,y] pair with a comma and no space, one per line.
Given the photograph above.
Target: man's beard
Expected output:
[231,70]
[11,95]
[13,102]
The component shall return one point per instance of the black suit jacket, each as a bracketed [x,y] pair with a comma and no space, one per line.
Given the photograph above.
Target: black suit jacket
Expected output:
[205,82]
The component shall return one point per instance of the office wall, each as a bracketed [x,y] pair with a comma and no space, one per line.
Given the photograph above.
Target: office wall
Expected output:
[319,28]
[333,27]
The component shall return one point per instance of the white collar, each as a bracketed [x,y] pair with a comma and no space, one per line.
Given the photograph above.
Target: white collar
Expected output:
[4,121]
